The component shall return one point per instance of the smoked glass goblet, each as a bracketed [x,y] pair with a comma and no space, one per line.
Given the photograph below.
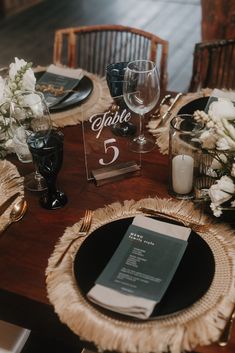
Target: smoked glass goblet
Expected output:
[48,156]
[115,76]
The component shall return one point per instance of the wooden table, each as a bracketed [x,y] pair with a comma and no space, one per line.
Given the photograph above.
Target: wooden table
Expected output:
[25,247]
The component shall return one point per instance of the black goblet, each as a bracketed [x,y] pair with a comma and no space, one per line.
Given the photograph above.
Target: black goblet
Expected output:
[48,156]
[115,76]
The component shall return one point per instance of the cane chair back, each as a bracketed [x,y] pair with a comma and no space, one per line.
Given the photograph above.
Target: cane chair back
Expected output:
[214,65]
[94,47]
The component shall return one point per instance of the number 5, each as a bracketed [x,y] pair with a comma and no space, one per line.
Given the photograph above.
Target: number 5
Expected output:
[107,148]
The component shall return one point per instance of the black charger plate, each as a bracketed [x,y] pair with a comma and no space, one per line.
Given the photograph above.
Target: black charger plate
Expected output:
[83,91]
[196,104]
[190,282]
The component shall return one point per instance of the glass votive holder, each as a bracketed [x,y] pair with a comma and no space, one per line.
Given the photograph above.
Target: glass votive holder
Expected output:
[184,155]
[202,185]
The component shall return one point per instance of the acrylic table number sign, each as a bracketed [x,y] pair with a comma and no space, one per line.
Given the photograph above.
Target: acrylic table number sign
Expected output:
[107,156]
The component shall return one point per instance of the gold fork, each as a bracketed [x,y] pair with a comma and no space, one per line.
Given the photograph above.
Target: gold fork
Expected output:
[84,229]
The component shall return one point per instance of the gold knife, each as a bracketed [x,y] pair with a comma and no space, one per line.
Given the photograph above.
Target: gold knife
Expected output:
[8,203]
[195,226]
[164,117]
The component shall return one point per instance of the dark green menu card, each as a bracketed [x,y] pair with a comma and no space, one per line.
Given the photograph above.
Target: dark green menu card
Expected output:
[56,83]
[146,259]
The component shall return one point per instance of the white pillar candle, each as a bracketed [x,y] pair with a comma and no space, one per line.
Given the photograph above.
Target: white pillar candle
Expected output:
[182,174]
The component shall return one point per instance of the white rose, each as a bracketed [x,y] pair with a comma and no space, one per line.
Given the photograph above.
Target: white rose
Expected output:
[208,139]
[223,108]
[221,191]
[34,102]
[226,184]
[218,196]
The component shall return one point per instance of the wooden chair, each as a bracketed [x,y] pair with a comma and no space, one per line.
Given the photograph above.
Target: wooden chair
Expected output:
[94,47]
[214,65]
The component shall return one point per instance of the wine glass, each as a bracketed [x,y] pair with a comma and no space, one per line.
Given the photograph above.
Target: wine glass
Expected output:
[141,92]
[47,152]
[29,113]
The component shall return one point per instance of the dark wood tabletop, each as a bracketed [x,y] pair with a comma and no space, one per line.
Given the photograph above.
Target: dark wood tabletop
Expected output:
[26,246]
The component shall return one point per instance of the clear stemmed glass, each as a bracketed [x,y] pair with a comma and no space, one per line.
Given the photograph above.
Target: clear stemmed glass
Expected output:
[141,92]
[29,114]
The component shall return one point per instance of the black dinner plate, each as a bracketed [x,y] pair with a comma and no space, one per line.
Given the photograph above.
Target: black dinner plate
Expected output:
[190,282]
[196,104]
[83,91]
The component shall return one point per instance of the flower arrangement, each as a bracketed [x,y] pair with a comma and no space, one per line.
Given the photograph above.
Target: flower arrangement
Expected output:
[20,78]
[218,140]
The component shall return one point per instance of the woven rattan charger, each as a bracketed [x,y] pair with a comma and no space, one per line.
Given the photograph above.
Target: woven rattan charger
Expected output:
[199,324]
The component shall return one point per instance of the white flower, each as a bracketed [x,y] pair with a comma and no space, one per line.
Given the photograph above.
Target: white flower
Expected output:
[226,184]
[19,115]
[217,164]
[217,211]
[34,102]
[15,67]
[20,78]
[233,170]
[223,108]
[233,203]
[2,89]
[210,124]
[208,139]
[220,140]
[218,196]
[222,144]
[221,191]
[10,145]
[28,79]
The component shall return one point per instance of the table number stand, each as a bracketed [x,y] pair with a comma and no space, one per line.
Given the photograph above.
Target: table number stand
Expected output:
[107,155]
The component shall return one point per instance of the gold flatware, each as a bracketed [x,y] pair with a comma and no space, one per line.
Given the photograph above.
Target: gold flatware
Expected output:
[156,114]
[84,229]
[17,212]
[164,117]
[196,227]
[225,336]
[6,204]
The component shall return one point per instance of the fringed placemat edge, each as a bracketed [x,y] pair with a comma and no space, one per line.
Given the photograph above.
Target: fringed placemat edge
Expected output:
[201,324]
[10,183]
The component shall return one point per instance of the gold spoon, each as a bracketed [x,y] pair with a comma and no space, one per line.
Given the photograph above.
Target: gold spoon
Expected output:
[17,212]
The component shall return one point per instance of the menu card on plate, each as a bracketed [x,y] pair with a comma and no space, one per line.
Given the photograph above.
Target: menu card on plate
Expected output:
[57,82]
[138,274]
